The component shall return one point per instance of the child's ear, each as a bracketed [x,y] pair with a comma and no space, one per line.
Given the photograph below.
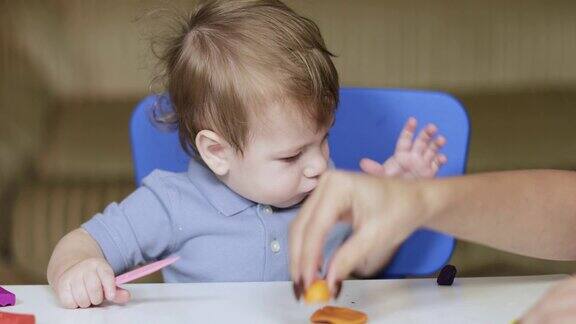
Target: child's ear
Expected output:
[214,151]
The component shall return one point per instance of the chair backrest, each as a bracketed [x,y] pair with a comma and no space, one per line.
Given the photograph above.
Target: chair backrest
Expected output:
[368,122]
[154,147]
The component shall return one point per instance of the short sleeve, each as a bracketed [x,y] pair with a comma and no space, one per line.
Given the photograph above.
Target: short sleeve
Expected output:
[137,230]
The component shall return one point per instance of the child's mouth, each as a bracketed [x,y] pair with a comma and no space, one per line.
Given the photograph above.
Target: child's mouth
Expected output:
[307,194]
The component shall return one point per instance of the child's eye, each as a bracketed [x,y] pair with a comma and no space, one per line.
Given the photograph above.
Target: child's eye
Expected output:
[292,158]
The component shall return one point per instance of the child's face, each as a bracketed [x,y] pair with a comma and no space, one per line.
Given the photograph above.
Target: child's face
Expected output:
[282,161]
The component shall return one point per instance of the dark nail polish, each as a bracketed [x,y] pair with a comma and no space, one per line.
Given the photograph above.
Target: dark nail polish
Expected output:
[297,288]
[338,289]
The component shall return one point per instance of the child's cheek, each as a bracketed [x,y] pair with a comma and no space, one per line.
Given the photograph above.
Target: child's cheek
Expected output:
[284,186]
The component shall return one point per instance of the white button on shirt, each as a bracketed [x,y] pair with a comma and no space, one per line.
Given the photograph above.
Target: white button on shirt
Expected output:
[275,246]
[267,209]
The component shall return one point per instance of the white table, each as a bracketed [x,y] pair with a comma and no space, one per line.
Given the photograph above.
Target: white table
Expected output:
[469,300]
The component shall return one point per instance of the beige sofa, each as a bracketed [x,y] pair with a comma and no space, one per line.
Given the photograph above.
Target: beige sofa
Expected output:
[73,70]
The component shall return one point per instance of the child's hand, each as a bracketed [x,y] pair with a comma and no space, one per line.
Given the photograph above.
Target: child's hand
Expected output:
[412,159]
[88,283]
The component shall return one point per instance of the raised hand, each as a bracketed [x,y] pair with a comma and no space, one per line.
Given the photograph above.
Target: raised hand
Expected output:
[413,158]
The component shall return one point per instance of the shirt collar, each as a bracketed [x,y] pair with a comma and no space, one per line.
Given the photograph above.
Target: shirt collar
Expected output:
[224,199]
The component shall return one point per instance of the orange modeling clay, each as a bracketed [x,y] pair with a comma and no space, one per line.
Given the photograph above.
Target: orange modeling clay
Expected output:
[317,293]
[338,315]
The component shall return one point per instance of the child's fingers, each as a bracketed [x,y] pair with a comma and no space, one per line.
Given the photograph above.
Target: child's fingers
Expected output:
[433,148]
[440,141]
[437,143]
[404,143]
[438,161]
[113,293]
[371,167]
[441,159]
[122,296]
[94,288]
[64,292]
[79,292]
[424,137]
[106,275]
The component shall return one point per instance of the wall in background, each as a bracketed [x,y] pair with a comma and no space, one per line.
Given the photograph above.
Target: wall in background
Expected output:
[72,71]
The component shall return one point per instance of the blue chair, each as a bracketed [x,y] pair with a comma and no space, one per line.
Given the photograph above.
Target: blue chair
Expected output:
[368,122]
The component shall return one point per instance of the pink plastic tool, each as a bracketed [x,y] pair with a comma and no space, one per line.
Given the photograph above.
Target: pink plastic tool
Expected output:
[6,298]
[145,270]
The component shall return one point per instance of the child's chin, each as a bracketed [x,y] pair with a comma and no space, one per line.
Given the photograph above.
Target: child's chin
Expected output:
[291,203]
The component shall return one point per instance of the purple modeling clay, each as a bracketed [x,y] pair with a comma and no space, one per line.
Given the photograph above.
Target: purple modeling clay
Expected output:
[6,298]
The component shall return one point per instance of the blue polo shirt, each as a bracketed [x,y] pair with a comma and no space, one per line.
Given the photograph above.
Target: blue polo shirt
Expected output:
[219,235]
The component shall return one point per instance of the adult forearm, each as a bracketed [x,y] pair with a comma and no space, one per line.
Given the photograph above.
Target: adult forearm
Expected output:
[530,212]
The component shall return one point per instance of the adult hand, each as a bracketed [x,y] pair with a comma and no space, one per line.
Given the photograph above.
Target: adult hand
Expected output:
[383,213]
[557,306]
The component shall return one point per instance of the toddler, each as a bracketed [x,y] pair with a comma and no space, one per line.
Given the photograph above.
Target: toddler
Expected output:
[254,91]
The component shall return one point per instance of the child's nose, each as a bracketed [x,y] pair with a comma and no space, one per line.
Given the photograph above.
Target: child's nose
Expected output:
[316,167]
